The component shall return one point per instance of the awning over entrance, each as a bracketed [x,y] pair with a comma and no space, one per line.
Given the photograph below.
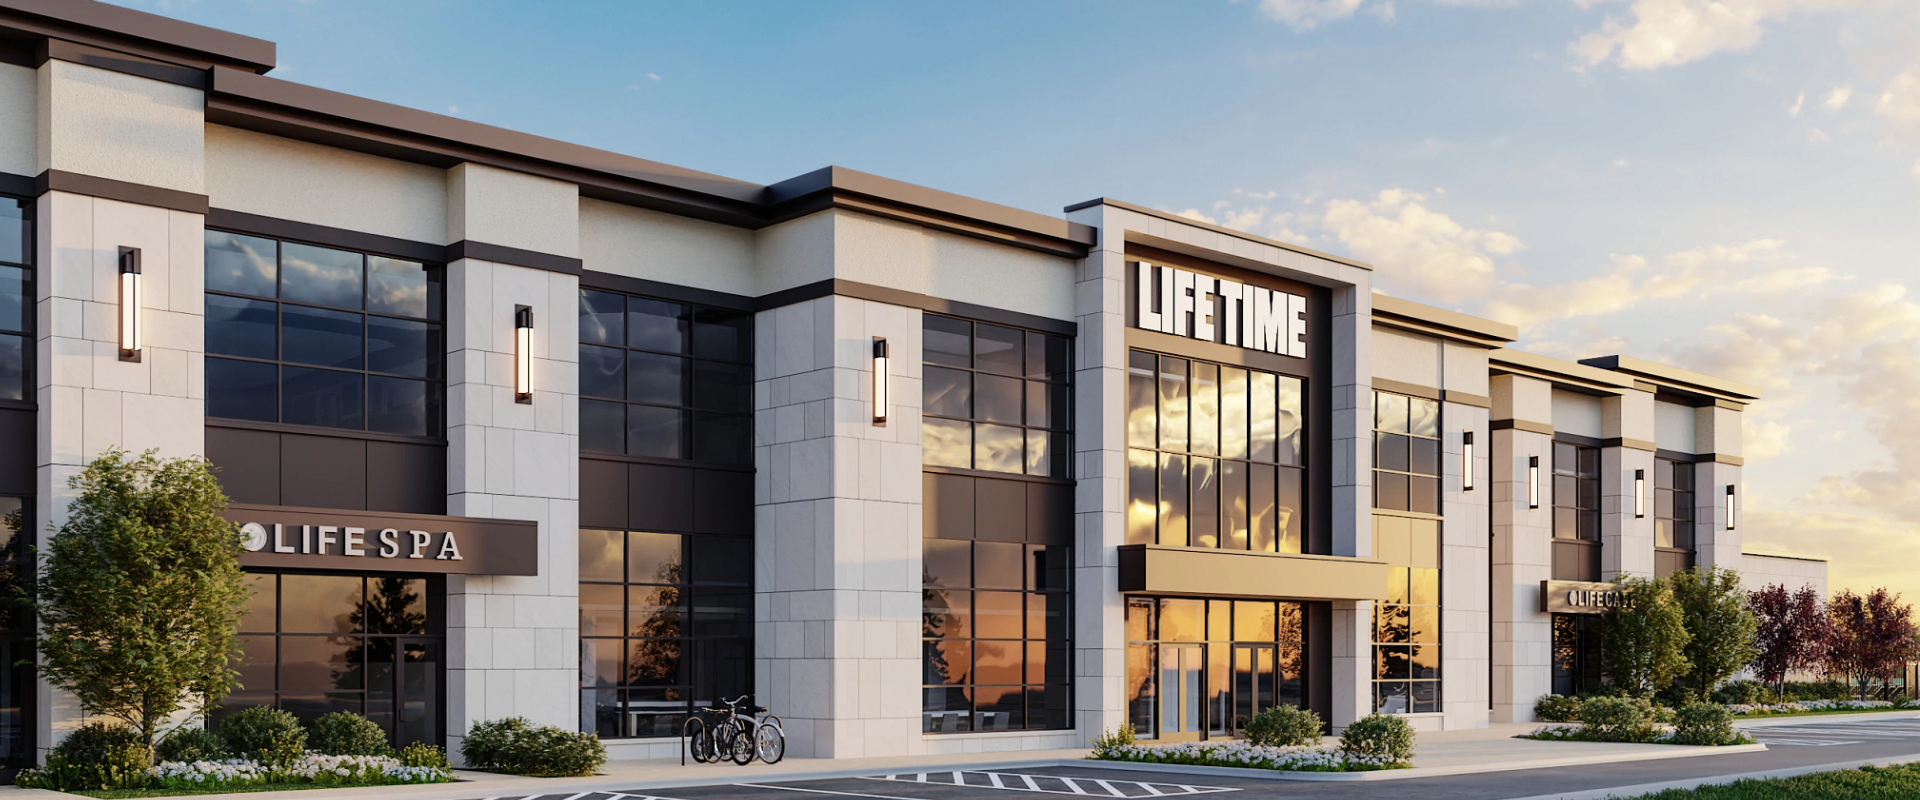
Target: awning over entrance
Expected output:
[1228,573]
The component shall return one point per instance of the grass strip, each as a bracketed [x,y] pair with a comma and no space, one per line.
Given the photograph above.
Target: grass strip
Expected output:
[129,794]
[1865,783]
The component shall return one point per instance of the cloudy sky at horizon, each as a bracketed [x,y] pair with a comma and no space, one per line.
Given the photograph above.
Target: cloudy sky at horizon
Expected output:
[1731,186]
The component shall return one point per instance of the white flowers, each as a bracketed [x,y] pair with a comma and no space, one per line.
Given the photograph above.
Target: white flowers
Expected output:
[312,767]
[1242,754]
[1812,705]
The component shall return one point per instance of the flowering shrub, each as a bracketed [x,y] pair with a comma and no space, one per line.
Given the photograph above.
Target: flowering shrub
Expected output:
[1386,739]
[221,774]
[1242,754]
[316,768]
[1803,706]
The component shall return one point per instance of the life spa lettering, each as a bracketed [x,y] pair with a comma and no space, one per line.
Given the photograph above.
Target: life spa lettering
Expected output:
[336,540]
[1183,303]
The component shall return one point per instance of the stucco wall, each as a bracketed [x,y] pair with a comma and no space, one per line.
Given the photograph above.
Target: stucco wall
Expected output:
[120,127]
[1464,369]
[1577,414]
[288,179]
[19,110]
[902,256]
[1405,357]
[1758,570]
[1673,427]
[510,209]
[638,243]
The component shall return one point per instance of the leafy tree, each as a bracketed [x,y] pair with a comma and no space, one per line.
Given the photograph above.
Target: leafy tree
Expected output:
[1871,638]
[1719,627]
[1791,633]
[1643,642]
[140,591]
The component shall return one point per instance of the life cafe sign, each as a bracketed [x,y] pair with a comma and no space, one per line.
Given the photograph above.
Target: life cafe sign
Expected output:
[1578,597]
[382,542]
[1183,303]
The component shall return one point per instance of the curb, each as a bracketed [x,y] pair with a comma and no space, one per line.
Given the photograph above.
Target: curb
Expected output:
[1628,792]
[1684,751]
[1824,719]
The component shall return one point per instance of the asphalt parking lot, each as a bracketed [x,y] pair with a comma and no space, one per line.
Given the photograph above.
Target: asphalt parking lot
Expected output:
[1800,745]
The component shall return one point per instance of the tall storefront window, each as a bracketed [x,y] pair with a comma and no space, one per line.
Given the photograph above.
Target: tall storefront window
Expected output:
[371,644]
[1576,512]
[660,379]
[1213,456]
[308,335]
[995,653]
[16,299]
[1202,668]
[1406,453]
[1672,516]
[1406,634]
[995,398]
[17,681]
[666,623]
[1576,653]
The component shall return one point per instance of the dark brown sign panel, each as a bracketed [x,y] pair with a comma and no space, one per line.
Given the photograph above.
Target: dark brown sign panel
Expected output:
[1578,597]
[313,538]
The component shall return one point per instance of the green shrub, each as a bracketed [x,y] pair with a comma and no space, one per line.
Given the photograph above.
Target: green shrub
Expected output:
[1109,741]
[97,755]
[344,733]
[1619,719]
[1557,708]
[519,747]
[191,744]
[270,736]
[1384,740]
[420,754]
[1707,724]
[1744,693]
[1818,690]
[1284,726]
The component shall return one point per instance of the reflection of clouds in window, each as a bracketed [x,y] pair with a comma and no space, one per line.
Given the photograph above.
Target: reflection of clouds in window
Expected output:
[242,264]
[947,443]
[998,448]
[397,287]
[320,275]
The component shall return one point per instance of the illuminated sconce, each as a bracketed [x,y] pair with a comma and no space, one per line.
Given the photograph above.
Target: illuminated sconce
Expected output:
[1639,493]
[1466,462]
[523,354]
[1731,507]
[1533,481]
[130,322]
[880,398]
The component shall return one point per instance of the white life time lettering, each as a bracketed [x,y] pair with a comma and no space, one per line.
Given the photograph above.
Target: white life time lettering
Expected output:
[1219,310]
[324,540]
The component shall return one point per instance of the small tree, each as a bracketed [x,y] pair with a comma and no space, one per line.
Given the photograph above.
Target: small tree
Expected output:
[140,590]
[1790,633]
[1871,638]
[1643,642]
[1719,627]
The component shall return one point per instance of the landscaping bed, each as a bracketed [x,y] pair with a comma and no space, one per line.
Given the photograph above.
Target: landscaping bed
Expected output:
[1285,739]
[1811,707]
[1866,783]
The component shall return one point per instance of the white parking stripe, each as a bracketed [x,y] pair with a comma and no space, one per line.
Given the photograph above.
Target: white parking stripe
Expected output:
[1074,786]
[820,791]
[1054,784]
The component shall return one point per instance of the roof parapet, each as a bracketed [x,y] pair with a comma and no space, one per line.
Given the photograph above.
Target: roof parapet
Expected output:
[1676,380]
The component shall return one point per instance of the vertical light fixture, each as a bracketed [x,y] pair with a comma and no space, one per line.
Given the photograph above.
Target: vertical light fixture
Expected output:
[1466,461]
[523,354]
[130,332]
[1639,493]
[880,398]
[1732,507]
[1533,481]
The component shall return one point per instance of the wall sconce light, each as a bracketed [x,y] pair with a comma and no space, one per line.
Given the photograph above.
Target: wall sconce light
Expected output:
[523,354]
[1466,462]
[1533,481]
[880,398]
[1639,493]
[1732,507]
[130,278]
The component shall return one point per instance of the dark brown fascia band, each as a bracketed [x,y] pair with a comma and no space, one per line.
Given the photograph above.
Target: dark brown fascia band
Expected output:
[1630,444]
[275,228]
[481,251]
[16,185]
[123,63]
[1521,425]
[55,180]
[590,279]
[1408,389]
[835,287]
[108,26]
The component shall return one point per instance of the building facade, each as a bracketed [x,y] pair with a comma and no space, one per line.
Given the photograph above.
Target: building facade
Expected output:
[518,427]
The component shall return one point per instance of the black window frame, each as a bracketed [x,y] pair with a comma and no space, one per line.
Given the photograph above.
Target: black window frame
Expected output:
[1674,532]
[1385,438]
[437,356]
[691,410]
[1046,579]
[1144,693]
[17,639]
[1059,436]
[28,307]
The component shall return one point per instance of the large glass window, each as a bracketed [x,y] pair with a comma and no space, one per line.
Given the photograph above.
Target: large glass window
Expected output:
[1203,668]
[1214,455]
[995,398]
[1576,512]
[666,625]
[1673,515]
[665,380]
[995,650]
[1406,453]
[17,681]
[1406,642]
[16,299]
[373,645]
[1576,653]
[310,335]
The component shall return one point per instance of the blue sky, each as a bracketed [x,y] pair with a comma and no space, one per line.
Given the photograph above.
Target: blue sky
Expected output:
[1728,185]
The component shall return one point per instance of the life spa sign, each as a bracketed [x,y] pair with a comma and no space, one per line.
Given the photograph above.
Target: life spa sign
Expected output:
[307,538]
[1196,306]
[1578,597]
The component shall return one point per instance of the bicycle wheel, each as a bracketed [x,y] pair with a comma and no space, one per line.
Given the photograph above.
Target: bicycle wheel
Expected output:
[770,743]
[699,740]
[742,747]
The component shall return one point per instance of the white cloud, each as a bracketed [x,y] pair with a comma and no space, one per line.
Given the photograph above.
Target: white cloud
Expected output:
[1420,250]
[1666,33]
[1763,440]
[1837,99]
[1900,102]
[1818,137]
[653,76]
[1306,15]
[1798,103]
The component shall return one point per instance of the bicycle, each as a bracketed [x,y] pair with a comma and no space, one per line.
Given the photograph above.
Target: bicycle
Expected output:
[700,733]
[741,734]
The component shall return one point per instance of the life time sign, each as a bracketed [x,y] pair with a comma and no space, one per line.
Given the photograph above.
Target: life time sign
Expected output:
[1184,303]
[278,536]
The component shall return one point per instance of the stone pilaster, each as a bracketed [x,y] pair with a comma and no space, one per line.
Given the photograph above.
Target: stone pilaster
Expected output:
[1522,546]
[1465,610]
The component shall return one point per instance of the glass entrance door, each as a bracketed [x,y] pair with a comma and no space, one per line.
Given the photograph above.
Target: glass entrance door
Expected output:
[1180,692]
[1253,681]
